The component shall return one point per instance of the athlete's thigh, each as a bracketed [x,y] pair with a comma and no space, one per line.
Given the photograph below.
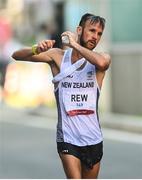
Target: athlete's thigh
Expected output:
[91,173]
[72,166]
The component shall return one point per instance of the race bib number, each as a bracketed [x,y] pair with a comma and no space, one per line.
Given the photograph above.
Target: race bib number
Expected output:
[79,102]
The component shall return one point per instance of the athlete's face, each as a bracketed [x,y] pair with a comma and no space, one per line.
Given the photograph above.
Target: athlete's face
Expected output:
[90,34]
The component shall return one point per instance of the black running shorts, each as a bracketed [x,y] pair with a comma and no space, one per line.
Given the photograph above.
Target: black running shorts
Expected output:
[88,155]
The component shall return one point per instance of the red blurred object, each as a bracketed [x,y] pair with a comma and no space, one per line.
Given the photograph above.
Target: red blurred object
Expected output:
[5,30]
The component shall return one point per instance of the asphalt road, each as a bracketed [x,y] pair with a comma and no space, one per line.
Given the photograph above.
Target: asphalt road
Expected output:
[28,149]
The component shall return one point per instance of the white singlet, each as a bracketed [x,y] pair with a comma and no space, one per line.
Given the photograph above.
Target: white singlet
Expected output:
[77,102]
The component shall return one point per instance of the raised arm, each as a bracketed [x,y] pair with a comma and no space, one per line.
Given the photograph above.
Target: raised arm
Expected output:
[37,53]
[101,60]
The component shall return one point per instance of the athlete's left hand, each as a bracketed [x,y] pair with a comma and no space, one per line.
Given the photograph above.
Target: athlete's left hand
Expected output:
[72,37]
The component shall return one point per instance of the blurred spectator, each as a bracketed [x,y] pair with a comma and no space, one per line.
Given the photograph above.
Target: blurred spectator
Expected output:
[5,35]
[7,45]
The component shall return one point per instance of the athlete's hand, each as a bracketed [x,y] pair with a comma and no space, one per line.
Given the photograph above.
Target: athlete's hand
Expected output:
[72,37]
[44,45]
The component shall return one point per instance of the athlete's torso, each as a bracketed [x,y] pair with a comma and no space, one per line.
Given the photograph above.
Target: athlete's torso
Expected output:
[77,102]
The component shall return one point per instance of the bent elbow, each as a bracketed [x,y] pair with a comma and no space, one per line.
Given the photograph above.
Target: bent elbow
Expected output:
[14,56]
[106,62]
[104,65]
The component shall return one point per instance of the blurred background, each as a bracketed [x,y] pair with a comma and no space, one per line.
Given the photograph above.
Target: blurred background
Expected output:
[26,91]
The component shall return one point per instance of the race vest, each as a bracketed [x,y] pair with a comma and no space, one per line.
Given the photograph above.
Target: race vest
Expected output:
[77,93]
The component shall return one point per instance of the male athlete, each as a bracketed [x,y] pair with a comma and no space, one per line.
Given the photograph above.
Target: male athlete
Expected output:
[78,74]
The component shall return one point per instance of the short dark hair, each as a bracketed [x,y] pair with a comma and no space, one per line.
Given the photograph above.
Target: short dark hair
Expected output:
[93,19]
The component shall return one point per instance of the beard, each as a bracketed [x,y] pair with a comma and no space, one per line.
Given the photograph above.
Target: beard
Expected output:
[85,43]
[82,42]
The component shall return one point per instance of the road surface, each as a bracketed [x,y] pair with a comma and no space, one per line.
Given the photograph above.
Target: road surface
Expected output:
[28,149]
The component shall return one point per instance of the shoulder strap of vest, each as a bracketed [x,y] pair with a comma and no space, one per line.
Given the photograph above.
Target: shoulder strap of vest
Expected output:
[68,71]
[65,59]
